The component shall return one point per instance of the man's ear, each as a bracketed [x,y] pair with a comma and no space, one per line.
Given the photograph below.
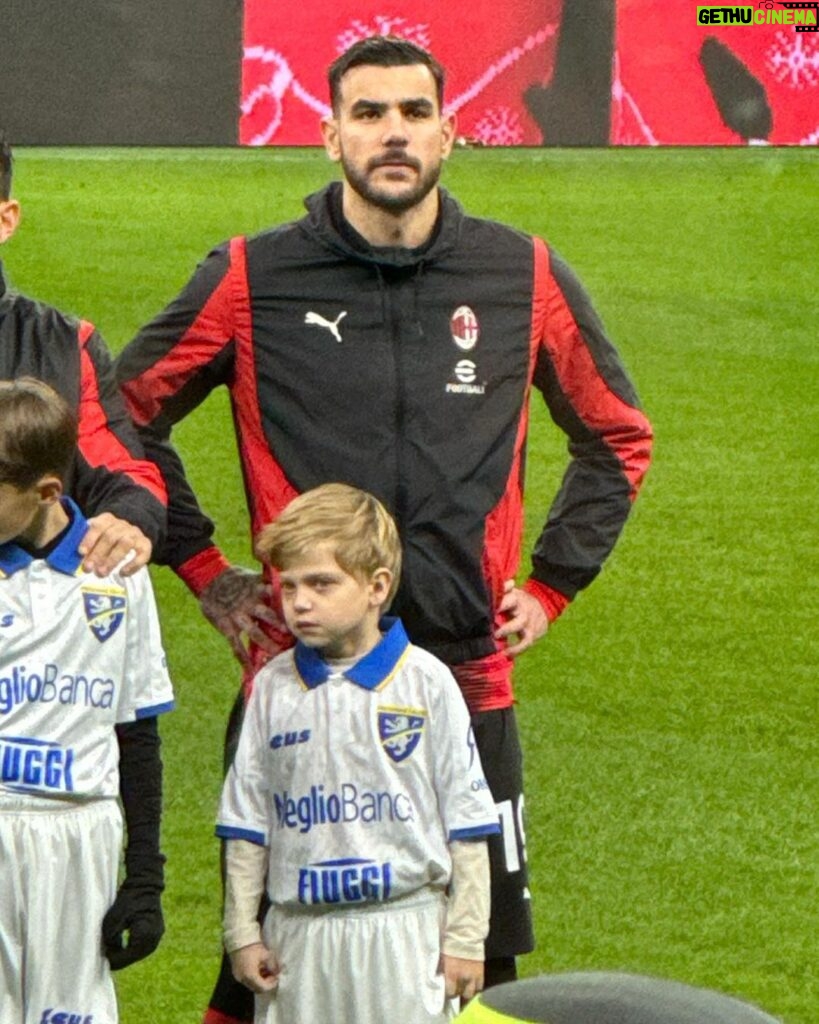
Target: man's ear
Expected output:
[448,129]
[50,489]
[9,218]
[380,584]
[329,133]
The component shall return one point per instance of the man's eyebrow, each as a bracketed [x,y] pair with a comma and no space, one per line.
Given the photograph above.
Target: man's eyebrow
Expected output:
[379,106]
[418,102]
[361,105]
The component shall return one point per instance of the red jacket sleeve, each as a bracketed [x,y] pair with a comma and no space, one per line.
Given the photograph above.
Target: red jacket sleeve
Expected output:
[112,472]
[168,369]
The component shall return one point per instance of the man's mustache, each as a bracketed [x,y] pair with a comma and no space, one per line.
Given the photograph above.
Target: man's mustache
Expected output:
[394,156]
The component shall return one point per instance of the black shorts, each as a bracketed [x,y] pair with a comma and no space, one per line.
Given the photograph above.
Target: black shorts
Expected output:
[510,927]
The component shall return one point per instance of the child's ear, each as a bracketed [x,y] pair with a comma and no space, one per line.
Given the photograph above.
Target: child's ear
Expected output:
[380,584]
[50,489]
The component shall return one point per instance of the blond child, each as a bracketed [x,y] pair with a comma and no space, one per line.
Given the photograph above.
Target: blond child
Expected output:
[357,794]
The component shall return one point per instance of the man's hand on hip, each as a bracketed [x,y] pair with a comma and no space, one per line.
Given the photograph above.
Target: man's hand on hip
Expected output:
[526,619]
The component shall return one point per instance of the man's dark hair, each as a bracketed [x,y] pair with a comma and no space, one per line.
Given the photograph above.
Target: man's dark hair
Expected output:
[5,167]
[38,433]
[383,52]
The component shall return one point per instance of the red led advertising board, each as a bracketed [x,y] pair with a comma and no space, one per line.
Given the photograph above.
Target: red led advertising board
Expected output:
[519,73]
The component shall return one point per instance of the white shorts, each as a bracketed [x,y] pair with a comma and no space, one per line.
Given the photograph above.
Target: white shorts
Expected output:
[59,863]
[376,964]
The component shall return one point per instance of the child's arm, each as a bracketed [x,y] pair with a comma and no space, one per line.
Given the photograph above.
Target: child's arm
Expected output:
[132,928]
[467,919]
[252,963]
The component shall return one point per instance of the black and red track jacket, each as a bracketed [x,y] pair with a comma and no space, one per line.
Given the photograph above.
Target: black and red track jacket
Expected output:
[406,373]
[110,472]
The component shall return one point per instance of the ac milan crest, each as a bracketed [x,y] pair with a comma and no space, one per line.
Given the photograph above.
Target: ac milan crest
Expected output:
[464,327]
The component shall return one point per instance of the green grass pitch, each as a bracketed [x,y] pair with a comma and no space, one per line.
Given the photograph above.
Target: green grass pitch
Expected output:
[670,717]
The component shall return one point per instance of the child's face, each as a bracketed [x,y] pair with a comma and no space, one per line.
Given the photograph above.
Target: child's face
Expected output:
[327,608]
[18,510]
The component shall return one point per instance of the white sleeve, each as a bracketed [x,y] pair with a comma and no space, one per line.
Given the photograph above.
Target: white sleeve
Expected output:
[243,808]
[464,801]
[245,871]
[467,912]
[146,685]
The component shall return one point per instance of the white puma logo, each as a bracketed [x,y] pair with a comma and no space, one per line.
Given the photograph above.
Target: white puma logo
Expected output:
[331,325]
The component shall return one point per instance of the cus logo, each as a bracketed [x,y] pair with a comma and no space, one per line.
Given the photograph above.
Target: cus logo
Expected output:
[289,739]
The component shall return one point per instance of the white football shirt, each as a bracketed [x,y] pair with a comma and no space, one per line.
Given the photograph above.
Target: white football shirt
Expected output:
[356,780]
[78,654]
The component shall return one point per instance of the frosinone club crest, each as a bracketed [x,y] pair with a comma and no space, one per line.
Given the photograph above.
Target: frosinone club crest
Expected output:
[104,611]
[399,730]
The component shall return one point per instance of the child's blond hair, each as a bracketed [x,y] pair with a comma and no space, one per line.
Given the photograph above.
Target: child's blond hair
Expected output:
[361,531]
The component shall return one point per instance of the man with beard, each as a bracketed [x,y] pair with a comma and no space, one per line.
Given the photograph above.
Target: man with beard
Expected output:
[389,341]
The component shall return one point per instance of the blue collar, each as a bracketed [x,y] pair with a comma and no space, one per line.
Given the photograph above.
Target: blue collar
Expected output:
[374,669]
[64,557]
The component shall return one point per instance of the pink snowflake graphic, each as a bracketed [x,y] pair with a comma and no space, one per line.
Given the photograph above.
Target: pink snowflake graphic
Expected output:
[629,127]
[499,126]
[794,60]
[384,25]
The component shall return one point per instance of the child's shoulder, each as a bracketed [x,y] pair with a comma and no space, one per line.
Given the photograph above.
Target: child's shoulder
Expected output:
[136,588]
[279,672]
[431,671]
[425,661]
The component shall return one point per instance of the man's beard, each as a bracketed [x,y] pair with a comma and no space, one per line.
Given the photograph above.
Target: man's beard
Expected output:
[388,201]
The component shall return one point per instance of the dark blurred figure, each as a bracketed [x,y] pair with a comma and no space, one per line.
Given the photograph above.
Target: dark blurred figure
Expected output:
[740,97]
[575,108]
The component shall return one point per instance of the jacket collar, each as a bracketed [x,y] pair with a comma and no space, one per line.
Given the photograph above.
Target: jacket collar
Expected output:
[371,672]
[326,222]
[64,556]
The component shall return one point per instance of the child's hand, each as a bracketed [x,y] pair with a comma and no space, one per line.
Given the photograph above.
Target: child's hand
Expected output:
[463,978]
[133,926]
[256,967]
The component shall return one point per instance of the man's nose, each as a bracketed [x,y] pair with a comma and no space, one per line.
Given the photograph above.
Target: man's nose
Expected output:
[395,129]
